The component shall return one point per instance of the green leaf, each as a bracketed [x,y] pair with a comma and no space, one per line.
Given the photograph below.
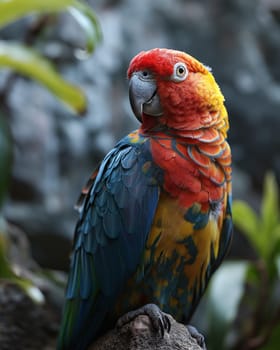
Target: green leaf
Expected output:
[274,339]
[264,231]
[88,21]
[244,217]
[5,269]
[30,289]
[29,63]
[11,10]
[275,241]
[270,206]
[247,221]
[7,272]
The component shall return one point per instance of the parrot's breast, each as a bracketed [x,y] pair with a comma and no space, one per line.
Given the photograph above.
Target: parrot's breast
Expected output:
[178,254]
[193,173]
[177,260]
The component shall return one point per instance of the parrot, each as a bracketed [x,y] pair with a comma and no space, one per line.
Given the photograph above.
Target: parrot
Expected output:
[155,217]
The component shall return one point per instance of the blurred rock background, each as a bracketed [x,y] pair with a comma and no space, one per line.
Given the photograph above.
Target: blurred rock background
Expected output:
[55,151]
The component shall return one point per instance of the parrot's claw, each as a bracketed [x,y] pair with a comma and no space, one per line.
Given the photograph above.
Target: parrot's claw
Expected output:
[160,321]
[197,336]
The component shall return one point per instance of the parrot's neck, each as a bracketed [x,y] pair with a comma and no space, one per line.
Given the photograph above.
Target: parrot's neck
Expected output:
[210,128]
[210,136]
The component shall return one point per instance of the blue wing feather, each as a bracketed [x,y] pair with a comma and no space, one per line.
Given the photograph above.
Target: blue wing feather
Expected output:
[226,233]
[109,240]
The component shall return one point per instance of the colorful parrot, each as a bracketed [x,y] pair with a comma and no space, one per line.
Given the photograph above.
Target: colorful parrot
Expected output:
[155,217]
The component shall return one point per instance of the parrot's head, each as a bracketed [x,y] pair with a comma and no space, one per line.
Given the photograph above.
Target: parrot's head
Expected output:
[171,89]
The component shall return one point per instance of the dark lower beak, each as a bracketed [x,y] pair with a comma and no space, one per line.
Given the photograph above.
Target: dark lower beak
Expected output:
[143,97]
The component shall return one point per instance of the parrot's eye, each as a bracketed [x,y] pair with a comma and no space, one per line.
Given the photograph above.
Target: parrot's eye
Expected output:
[145,75]
[180,72]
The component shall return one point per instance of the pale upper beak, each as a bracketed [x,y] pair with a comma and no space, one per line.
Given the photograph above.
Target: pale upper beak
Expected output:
[143,96]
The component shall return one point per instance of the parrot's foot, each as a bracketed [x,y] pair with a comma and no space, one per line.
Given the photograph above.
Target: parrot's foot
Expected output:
[159,319]
[197,336]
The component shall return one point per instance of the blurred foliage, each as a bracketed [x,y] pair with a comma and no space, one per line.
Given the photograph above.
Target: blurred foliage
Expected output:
[263,231]
[21,58]
[244,302]
[8,273]
[30,63]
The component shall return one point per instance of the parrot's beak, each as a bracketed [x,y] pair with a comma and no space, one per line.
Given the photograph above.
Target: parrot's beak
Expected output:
[143,97]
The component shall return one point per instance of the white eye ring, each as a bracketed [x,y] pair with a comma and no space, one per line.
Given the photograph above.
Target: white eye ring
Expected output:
[180,72]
